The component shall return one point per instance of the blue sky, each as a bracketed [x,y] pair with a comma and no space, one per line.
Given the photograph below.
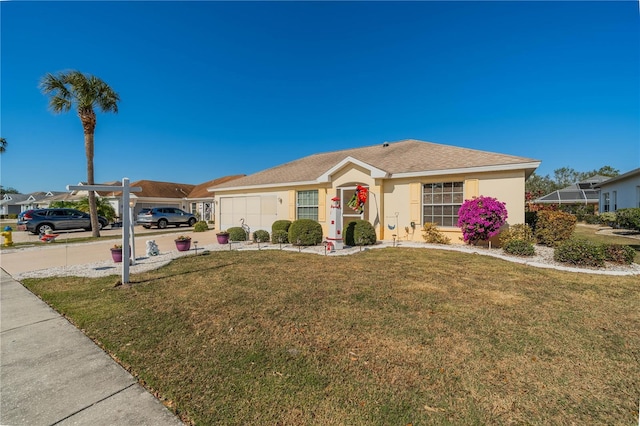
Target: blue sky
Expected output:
[210,89]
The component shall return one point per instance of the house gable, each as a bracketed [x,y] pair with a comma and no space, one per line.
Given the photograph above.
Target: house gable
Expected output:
[374,172]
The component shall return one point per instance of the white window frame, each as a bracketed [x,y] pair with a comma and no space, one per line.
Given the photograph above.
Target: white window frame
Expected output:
[606,202]
[438,201]
[302,203]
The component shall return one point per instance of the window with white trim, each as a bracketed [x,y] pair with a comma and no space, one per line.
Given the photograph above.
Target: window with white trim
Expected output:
[307,204]
[606,203]
[441,202]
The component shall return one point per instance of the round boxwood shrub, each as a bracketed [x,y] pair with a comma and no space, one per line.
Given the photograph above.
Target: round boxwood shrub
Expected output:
[359,232]
[305,232]
[519,248]
[280,225]
[237,233]
[279,236]
[261,235]
[201,226]
[580,252]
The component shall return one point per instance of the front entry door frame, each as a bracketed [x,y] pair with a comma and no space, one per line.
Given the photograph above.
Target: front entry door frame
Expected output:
[347,212]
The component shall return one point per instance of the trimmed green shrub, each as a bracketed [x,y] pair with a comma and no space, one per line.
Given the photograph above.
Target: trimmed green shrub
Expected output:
[554,227]
[279,236]
[200,226]
[359,232]
[591,219]
[237,233]
[578,210]
[618,253]
[519,247]
[261,235]
[579,252]
[280,225]
[433,235]
[628,218]
[519,231]
[305,232]
[607,218]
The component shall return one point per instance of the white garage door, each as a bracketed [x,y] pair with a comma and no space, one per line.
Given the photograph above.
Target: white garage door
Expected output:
[258,212]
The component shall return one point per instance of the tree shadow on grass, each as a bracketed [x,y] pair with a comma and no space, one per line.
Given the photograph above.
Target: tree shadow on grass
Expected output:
[184,273]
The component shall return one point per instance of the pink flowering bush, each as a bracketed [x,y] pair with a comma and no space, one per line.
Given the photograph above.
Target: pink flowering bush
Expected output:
[481,218]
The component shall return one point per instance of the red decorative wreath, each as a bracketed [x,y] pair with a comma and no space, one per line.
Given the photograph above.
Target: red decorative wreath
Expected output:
[358,199]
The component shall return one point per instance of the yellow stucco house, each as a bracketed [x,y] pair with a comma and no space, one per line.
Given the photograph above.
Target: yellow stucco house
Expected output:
[409,183]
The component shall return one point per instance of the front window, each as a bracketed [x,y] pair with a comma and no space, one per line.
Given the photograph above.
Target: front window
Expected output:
[441,202]
[307,205]
[606,203]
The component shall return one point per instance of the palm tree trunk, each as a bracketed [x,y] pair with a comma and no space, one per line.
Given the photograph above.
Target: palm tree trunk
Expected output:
[89,125]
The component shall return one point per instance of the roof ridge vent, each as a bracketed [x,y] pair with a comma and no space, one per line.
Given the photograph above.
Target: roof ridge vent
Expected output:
[385,144]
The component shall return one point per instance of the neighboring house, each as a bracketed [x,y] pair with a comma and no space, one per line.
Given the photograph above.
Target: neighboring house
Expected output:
[10,204]
[39,200]
[620,192]
[409,183]
[200,200]
[153,194]
[584,193]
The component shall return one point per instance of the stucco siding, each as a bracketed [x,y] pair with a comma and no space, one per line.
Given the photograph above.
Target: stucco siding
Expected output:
[393,204]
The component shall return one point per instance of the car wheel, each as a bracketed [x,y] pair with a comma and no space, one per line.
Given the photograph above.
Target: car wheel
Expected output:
[162,223]
[192,221]
[43,227]
[146,226]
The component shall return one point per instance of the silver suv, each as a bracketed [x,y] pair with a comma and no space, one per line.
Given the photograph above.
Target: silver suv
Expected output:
[165,216]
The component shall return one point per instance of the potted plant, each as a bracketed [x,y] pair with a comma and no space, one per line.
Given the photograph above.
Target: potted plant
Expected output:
[183,243]
[116,253]
[223,237]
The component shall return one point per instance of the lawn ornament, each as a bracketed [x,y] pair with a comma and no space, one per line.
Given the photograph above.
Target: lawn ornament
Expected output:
[152,248]
[48,236]
[334,239]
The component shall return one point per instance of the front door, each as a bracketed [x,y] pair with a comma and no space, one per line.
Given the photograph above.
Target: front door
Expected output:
[348,214]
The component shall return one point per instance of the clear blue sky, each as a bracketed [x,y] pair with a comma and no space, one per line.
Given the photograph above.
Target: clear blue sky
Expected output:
[210,89]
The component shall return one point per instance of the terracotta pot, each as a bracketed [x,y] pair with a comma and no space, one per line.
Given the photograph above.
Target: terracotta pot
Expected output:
[183,245]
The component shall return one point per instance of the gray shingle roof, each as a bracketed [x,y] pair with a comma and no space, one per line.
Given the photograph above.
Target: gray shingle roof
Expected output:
[407,156]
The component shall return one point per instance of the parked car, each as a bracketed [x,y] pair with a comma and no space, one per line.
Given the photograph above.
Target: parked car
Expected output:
[39,221]
[165,216]
[22,222]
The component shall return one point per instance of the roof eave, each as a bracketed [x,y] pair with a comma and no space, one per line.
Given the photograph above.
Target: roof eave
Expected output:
[528,167]
[262,186]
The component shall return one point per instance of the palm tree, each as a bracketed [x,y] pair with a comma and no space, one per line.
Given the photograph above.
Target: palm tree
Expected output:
[3,145]
[73,89]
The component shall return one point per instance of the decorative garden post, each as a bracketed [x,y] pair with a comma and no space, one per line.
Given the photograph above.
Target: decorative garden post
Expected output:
[335,225]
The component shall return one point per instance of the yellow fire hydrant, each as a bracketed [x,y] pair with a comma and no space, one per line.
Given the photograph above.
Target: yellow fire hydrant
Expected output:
[8,239]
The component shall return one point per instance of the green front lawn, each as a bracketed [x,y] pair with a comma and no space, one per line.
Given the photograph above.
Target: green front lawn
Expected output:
[388,336]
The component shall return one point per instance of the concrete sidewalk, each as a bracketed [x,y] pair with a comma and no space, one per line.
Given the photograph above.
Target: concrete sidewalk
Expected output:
[52,374]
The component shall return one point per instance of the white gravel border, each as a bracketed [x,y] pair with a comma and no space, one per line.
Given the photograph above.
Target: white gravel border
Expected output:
[542,259]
